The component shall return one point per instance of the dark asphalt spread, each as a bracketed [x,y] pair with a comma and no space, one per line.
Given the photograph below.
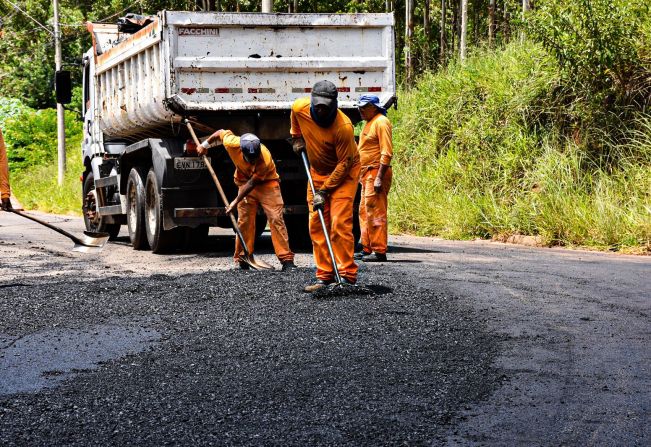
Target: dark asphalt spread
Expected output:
[244,358]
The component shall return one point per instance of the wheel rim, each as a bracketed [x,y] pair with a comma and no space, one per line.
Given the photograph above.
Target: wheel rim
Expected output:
[151,207]
[133,207]
[90,210]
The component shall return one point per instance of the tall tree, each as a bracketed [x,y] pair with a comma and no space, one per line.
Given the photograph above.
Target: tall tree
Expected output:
[409,32]
[491,23]
[464,30]
[443,31]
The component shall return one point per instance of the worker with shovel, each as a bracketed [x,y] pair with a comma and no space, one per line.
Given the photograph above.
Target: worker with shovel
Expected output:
[258,183]
[325,133]
[375,152]
[5,190]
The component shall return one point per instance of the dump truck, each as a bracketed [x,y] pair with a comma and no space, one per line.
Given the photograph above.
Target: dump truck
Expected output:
[237,71]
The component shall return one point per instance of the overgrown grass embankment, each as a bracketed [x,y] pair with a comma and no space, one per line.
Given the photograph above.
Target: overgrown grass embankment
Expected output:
[488,149]
[31,137]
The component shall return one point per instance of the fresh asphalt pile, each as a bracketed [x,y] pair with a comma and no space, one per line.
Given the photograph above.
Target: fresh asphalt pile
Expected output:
[242,358]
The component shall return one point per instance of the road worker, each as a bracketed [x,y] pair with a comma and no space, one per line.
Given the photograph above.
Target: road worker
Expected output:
[375,152]
[326,134]
[5,190]
[258,185]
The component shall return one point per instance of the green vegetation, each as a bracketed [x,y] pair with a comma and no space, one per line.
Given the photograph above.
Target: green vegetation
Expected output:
[31,138]
[490,148]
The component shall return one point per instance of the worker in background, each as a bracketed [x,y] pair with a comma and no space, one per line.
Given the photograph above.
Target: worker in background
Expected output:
[375,152]
[258,185]
[5,190]
[326,134]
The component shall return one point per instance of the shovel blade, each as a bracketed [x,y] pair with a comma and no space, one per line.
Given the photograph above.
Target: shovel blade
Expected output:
[258,264]
[91,242]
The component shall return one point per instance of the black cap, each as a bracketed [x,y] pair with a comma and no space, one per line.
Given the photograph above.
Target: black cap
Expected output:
[324,92]
[250,146]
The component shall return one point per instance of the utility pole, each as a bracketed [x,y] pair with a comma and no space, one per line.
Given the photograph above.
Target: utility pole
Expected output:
[61,123]
[409,32]
[267,5]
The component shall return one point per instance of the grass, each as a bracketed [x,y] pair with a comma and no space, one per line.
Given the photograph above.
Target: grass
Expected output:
[36,187]
[479,152]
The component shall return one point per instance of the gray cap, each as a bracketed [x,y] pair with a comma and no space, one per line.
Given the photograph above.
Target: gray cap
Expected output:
[324,92]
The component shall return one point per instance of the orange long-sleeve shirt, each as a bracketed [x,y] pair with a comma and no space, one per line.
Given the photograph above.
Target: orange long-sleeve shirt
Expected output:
[332,151]
[5,190]
[375,143]
[262,170]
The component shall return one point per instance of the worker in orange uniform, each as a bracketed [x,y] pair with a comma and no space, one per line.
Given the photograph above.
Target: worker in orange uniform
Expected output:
[326,133]
[375,152]
[258,183]
[5,190]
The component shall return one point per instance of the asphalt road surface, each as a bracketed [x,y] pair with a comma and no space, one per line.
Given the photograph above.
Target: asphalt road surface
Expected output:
[460,343]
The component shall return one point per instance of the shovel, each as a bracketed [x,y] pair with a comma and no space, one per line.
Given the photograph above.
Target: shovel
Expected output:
[248,256]
[90,242]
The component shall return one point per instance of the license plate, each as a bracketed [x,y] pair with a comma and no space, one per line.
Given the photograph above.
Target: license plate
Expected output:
[187,163]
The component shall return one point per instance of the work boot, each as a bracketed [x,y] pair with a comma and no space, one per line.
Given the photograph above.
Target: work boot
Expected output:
[318,284]
[360,255]
[375,257]
[289,266]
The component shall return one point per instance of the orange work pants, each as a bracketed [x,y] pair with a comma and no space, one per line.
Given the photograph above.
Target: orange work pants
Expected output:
[373,211]
[267,195]
[338,216]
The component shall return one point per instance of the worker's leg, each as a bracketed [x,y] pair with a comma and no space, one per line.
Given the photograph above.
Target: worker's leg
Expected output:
[363,226]
[341,225]
[376,211]
[268,194]
[322,260]
[246,211]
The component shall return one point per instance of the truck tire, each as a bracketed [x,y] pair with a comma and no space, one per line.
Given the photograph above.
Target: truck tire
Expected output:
[92,219]
[196,238]
[160,240]
[260,225]
[136,209]
[298,231]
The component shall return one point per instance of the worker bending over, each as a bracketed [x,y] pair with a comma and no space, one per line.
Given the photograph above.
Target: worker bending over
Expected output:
[326,134]
[375,152]
[5,190]
[258,184]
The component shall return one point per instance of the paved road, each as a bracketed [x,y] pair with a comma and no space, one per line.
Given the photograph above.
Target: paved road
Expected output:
[463,343]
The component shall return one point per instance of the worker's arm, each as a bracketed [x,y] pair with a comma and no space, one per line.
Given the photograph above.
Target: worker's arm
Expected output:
[212,140]
[346,152]
[243,192]
[298,143]
[384,133]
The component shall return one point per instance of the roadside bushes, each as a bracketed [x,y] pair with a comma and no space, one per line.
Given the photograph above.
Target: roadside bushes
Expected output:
[493,148]
[31,137]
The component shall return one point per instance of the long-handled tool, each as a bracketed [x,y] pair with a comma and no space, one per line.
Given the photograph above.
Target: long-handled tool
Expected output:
[248,256]
[306,164]
[90,242]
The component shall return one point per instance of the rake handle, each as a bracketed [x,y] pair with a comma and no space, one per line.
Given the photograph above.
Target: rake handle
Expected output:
[236,227]
[306,164]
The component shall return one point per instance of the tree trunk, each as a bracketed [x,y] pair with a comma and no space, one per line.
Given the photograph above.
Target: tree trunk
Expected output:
[409,32]
[491,23]
[443,30]
[464,30]
[455,26]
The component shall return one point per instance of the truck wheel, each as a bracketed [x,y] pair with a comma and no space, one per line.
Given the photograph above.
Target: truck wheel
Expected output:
[260,225]
[136,209]
[298,231]
[196,238]
[160,240]
[92,219]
